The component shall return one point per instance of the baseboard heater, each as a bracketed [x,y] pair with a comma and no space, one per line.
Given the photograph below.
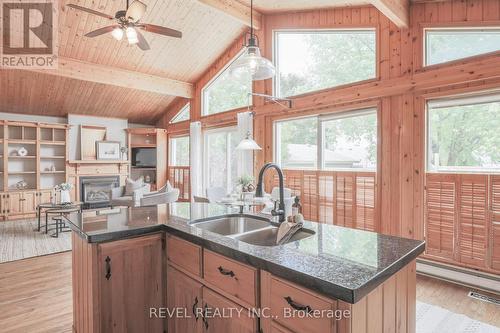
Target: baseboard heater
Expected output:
[463,276]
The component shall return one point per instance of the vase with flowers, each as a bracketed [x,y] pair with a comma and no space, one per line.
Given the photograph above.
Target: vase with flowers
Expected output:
[64,189]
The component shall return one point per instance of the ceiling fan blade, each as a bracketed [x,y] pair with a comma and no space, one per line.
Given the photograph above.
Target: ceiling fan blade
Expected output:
[91,11]
[102,31]
[143,43]
[161,30]
[135,11]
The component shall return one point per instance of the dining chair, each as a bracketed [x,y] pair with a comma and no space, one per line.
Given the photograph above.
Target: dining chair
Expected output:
[215,193]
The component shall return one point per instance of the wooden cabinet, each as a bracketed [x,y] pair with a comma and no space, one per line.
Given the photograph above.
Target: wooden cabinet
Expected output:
[117,285]
[3,210]
[183,254]
[237,279]
[222,315]
[185,297]
[14,203]
[24,202]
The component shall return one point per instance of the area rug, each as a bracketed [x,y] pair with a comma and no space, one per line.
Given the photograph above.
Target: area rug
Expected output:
[434,319]
[19,241]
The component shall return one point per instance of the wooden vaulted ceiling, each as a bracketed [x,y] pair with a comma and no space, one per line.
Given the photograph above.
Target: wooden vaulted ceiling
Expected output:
[206,34]
[208,27]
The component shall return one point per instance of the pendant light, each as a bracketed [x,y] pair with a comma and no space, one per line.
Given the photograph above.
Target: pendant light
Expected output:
[248,143]
[252,63]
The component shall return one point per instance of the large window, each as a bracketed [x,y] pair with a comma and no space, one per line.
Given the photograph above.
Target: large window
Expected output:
[463,134]
[220,158]
[442,45]
[182,115]
[319,59]
[333,142]
[226,92]
[179,151]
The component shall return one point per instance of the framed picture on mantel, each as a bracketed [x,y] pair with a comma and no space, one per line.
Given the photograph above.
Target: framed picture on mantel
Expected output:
[108,150]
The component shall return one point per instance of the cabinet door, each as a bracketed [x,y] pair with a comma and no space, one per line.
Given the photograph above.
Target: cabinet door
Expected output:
[14,200]
[28,202]
[43,197]
[131,284]
[184,297]
[223,315]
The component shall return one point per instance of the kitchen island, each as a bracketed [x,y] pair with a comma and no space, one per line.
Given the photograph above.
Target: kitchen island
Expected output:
[156,269]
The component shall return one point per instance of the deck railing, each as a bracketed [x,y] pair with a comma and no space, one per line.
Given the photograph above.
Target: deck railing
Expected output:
[179,178]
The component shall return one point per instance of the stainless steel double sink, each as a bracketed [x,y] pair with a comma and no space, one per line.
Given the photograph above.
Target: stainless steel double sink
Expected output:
[247,228]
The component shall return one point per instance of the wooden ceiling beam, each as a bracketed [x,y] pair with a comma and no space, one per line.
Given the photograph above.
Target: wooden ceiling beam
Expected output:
[236,10]
[86,71]
[398,11]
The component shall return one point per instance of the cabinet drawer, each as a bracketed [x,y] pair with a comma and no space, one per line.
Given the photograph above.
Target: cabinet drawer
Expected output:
[287,298]
[184,254]
[235,278]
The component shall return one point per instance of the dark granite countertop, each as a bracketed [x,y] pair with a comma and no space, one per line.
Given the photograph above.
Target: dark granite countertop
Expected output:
[338,262]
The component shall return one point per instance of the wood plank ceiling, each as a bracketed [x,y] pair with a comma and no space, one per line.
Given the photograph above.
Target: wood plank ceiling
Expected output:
[273,6]
[207,31]
[206,34]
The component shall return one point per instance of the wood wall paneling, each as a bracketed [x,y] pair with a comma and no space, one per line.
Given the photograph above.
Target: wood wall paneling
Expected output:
[400,92]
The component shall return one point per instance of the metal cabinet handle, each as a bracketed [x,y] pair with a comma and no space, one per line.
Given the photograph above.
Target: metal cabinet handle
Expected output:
[297,306]
[225,271]
[108,268]
[194,308]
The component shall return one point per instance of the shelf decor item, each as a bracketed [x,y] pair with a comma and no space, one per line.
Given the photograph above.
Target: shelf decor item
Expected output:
[108,150]
[21,185]
[124,151]
[64,189]
[22,152]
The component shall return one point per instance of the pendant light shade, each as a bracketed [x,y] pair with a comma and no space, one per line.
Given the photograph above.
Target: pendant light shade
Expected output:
[248,144]
[251,63]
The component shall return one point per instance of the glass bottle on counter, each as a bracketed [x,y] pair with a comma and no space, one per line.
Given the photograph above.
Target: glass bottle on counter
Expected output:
[296,207]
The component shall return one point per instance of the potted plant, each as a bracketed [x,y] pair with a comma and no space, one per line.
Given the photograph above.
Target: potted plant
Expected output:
[246,183]
[64,188]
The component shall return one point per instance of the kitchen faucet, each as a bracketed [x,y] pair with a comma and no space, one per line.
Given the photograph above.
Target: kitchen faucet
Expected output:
[259,193]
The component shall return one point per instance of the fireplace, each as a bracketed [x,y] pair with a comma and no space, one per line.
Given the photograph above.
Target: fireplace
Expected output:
[95,191]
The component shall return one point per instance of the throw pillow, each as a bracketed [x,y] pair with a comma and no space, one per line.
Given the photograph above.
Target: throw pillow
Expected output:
[132,185]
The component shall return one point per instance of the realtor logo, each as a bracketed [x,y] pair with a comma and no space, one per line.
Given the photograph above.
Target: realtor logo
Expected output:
[29,34]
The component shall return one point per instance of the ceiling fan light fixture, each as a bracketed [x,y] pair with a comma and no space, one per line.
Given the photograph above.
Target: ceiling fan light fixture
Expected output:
[136,10]
[117,33]
[132,35]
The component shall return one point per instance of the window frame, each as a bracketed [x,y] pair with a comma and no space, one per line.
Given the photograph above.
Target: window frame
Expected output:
[475,27]
[276,32]
[170,150]
[188,107]
[320,140]
[215,78]
[449,101]
[228,130]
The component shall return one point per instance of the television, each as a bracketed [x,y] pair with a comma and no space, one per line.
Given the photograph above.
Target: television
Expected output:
[144,157]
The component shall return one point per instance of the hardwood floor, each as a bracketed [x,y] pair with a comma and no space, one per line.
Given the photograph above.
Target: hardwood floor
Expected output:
[35,296]
[453,297]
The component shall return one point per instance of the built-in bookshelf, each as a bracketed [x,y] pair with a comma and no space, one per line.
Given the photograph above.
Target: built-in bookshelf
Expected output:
[150,138]
[33,154]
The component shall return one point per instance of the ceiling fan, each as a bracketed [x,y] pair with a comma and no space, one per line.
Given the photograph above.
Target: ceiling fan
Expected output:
[127,23]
